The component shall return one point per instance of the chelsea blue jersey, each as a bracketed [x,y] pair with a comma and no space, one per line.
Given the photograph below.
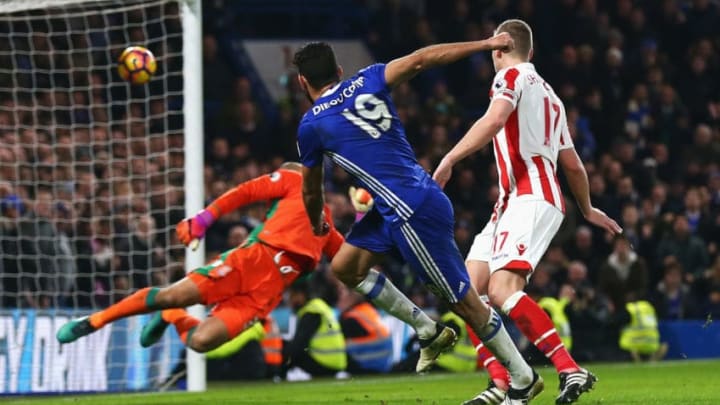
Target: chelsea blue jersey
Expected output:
[356,125]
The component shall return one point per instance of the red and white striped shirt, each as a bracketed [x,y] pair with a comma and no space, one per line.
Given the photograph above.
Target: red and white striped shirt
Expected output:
[527,147]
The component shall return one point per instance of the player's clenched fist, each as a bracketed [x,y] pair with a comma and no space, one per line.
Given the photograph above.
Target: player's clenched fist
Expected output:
[502,41]
[322,227]
[195,227]
[361,199]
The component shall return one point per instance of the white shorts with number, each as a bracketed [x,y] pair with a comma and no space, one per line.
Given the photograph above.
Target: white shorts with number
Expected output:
[519,238]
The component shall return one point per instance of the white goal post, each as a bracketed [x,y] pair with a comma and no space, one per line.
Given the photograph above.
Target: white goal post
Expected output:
[194,201]
[94,174]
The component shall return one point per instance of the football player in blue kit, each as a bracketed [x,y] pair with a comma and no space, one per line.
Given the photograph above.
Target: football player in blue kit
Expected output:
[355,124]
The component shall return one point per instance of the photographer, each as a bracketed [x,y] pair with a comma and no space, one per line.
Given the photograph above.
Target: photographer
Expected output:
[594,321]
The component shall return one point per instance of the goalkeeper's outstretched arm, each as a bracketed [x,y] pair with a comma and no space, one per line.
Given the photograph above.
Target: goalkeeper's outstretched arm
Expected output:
[264,188]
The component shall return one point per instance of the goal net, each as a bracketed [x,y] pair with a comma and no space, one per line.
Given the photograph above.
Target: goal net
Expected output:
[91,185]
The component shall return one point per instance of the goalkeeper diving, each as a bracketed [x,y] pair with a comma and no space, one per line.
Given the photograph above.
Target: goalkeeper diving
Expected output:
[243,284]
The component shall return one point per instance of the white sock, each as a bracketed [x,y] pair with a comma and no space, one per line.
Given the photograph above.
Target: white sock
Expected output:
[497,340]
[386,296]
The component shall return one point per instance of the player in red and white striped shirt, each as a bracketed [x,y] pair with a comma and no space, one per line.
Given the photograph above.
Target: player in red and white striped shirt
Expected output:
[527,125]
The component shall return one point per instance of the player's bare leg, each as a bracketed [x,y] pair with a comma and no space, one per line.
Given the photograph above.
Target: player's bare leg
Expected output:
[208,335]
[179,295]
[200,336]
[352,265]
[506,291]
[479,273]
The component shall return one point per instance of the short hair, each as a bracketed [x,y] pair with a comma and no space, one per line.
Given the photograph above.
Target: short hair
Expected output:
[316,62]
[301,285]
[294,166]
[521,34]
[621,237]
[673,266]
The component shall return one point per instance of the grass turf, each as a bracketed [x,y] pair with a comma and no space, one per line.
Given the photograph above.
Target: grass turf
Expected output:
[667,383]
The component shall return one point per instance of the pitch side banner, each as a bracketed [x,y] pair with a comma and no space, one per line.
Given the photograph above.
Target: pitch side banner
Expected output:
[111,359]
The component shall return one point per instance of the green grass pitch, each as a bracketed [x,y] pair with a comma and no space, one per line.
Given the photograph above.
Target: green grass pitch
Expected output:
[667,383]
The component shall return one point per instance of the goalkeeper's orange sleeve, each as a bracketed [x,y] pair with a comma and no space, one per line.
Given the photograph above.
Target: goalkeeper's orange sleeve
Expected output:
[333,243]
[267,187]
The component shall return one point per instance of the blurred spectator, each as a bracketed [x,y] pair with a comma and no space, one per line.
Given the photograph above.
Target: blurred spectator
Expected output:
[672,297]
[707,289]
[714,191]
[542,280]
[664,169]
[670,118]
[577,277]
[690,251]
[599,194]
[590,318]
[697,218]
[584,250]
[216,72]
[630,223]
[582,136]
[623,277]
[18,266]
[367,339]
[219,157]
[638,121]
[65,261]
[641,337]
[698,87]
[464,235]
[142,260]
[557,261]
[237,236]
[318,346]
[96,265]
[704,150]
[41,232]
[245,127]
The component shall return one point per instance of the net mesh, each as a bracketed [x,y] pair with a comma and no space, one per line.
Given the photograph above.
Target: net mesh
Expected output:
[91,167]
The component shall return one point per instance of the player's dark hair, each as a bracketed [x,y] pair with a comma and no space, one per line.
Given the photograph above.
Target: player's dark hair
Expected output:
[301,285]
[521,34]
[673,267]
[316,62]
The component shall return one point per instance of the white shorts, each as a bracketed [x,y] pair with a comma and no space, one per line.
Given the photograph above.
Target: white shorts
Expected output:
[519,238]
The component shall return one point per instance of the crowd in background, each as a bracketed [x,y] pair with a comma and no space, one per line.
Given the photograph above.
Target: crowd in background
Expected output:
[91,169]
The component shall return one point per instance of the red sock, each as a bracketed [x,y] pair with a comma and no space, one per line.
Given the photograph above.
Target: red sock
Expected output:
[140,302]
[495,370]
[537,326]
[184,323]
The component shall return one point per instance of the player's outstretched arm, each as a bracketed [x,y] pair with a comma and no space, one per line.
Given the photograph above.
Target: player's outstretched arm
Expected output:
[404,68]
[314,198]
[578,181]
[267,187]
[479,135]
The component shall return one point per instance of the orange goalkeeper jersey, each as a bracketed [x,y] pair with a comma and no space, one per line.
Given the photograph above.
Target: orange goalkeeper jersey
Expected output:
[287,226]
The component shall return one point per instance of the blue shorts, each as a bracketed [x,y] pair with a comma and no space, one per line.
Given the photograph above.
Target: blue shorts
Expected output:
[426,242]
